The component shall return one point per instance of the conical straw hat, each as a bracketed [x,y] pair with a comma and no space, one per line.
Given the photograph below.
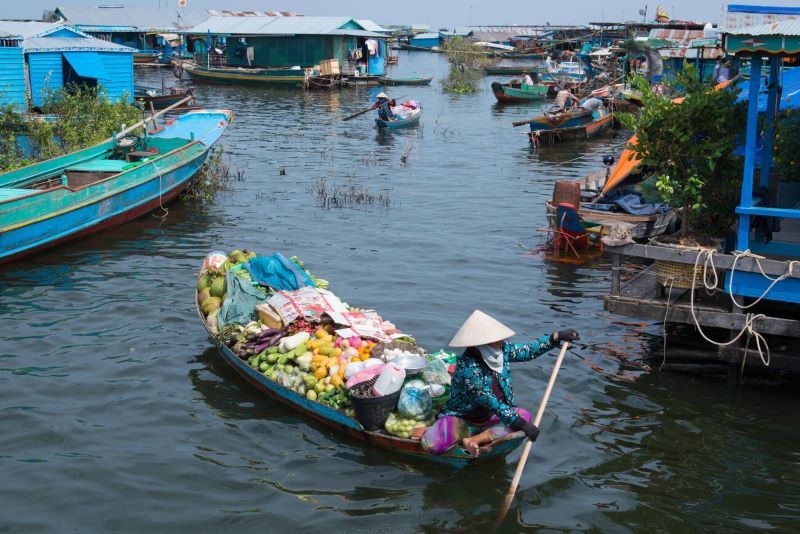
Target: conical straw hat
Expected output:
[480,329]
[382,95]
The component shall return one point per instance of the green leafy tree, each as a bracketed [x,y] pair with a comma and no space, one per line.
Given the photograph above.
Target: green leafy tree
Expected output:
[689,145]
[787,146]
[466,65]
[76,117]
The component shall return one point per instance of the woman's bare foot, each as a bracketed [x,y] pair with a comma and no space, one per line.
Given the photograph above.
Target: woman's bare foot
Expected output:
[418,432]
[472,445]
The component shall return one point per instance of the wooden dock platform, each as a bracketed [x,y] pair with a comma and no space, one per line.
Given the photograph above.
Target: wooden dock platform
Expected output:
[636,292]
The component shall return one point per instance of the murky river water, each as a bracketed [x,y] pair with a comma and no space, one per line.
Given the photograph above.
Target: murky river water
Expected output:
[116,414]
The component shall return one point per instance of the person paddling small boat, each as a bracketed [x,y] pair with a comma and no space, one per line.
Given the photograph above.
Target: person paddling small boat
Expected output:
[481,405]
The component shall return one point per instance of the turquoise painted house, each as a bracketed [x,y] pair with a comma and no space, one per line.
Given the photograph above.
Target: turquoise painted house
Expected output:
[44,56]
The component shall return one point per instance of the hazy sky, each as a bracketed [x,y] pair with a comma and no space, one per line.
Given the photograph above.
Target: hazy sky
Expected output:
[444,13]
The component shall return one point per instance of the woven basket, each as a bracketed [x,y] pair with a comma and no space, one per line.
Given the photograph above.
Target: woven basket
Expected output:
[678,275]
[380,348]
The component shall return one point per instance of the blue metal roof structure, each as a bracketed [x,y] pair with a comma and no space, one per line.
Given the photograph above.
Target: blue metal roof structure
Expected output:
[790,95]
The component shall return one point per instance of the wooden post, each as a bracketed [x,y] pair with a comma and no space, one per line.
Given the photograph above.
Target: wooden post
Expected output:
[616,268]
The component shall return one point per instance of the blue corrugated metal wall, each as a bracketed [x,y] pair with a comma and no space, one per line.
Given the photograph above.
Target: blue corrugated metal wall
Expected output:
[12,77]
[119,66]
[45,71]
[424,43]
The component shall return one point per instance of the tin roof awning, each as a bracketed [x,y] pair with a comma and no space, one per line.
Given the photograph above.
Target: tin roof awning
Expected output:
[87,65]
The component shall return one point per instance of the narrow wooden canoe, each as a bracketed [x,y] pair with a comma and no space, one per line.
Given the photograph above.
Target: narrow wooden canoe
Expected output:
[406,81]
[396,124]
[455,457]
[507,93]
[159,98]
[234,75]
[77,194]
[580,124]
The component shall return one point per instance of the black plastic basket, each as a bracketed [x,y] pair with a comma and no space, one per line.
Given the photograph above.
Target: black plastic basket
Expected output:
[372,412]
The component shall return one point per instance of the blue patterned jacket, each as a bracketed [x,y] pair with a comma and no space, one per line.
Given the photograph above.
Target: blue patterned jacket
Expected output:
[471,385]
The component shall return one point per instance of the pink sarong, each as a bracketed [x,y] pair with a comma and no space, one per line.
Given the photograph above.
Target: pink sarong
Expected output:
[449,430]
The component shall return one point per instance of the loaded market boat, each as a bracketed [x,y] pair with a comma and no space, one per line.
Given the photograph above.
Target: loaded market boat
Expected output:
[508,93]
[87,191]
[290,362]
[512,70]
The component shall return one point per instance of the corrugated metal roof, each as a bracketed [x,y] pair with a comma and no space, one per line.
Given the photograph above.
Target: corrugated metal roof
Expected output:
[737,17]
[26,28]
[683,43]
[371,26]
[235,13]
[146,20]
[785,27]
[228,25]
[426,36]
[46,44]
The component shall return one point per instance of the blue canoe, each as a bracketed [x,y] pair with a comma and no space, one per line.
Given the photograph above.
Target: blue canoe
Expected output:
[99,187]
[396,124]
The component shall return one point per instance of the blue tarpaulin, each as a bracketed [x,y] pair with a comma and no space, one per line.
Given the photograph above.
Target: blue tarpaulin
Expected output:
[87,65]
[278,272]
[790,94]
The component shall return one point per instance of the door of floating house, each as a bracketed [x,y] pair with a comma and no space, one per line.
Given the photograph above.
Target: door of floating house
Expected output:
[377,61]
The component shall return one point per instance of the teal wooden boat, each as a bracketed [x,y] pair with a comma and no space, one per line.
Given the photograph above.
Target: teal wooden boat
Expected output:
[406,81]
[77,194]
[246,76]
[399,123]
[509,93]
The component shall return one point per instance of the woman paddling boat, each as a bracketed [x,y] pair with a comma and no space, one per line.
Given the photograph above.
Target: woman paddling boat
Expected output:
[481,405]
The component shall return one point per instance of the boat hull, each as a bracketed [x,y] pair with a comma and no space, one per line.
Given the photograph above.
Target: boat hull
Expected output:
[241,76]
[399,124]
[406,81]
[586,130]
[506,94]
[456,457]
[98,214]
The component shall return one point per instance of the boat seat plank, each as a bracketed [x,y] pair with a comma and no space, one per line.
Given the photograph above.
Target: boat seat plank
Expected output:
[103,165]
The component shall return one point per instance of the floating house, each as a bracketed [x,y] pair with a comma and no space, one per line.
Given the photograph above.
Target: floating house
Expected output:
[285,42]
[149,31]
[41,56]
[752,320]
[425,40]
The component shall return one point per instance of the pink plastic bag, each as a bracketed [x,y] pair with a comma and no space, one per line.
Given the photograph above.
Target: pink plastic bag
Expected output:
[365,374]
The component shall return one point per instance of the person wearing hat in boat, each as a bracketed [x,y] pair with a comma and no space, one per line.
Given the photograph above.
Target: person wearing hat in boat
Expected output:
[384,105]
[481,405]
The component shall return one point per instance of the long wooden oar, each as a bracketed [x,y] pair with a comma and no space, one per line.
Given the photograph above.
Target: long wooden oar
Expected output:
[354,115]
[524,458]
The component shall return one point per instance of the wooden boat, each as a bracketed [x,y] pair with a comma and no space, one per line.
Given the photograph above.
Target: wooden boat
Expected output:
[77,194]
[508,93]
[245,76]
[574,124]
[146,56]
[406,81]
[641,227]
[160,98]
[511,70]
[336,419]
[398,123]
